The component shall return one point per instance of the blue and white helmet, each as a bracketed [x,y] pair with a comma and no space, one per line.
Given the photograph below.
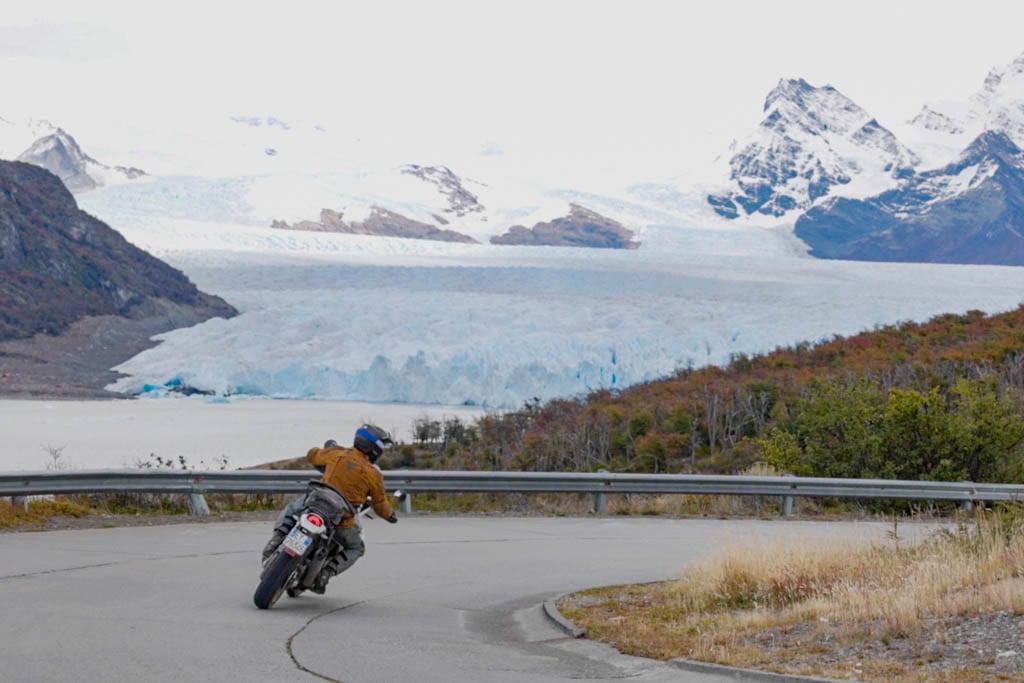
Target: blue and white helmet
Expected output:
[372,440]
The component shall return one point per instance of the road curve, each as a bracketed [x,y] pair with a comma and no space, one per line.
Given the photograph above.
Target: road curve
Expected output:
[434,599]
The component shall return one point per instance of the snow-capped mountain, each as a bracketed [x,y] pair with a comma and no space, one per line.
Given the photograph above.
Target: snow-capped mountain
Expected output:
[971,211]
[299,172]
[941,130]
[41,143]
[60,154]
[272,172]
[950,193]
[812,142]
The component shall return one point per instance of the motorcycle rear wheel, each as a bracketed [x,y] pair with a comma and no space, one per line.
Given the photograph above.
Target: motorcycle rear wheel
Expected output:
[276,576]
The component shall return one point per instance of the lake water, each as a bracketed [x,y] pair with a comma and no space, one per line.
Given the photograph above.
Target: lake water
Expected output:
[117,434]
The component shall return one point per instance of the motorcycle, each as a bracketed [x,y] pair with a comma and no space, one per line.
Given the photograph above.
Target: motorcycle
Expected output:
[294,566]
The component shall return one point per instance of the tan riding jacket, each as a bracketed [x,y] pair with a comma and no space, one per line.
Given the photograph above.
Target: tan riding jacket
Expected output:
[349,471]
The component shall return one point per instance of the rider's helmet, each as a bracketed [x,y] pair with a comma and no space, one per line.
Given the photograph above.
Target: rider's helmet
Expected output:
[372,440]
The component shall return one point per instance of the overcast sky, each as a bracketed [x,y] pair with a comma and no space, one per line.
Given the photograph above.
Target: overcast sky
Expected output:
[655,80]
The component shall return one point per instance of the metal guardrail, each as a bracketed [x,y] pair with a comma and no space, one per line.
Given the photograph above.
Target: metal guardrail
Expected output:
[197,483]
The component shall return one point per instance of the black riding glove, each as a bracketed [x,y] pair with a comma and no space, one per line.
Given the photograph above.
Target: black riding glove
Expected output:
[393,518]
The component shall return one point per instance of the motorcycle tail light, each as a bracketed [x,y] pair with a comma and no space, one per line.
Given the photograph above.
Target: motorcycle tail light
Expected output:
[315,520]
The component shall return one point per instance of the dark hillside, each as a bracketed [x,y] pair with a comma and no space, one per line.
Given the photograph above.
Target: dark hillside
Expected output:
[58,264]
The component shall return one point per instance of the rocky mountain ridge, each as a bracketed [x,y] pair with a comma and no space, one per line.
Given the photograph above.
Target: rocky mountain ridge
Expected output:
[811,141]
[43,144]
[60,154]
[971,211]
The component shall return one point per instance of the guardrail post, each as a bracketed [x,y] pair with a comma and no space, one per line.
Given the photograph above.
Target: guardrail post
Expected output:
[787,504]
[405,504]
[19,500]
[197,504]
[600,499]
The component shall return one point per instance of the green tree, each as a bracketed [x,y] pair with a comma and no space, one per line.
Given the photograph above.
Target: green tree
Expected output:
[836,424]
[651,455]
[640,424]
[918,437]
[781,450]
[989,432]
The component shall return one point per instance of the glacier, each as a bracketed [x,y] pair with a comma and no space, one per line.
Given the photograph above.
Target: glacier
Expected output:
[388,320]
[378,319]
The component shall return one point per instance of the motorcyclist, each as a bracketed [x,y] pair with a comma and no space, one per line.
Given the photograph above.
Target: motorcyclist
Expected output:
[353,472]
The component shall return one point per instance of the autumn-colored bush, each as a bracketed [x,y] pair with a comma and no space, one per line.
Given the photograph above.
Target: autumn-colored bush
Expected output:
[943,399]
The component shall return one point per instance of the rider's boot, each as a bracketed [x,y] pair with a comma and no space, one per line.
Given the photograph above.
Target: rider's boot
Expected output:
[320,585]
[284,525]
[329,570]
[272,544]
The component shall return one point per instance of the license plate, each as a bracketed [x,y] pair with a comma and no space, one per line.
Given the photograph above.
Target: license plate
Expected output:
[297,542]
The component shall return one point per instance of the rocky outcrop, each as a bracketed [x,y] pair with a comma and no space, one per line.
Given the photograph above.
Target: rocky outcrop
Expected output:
[461,201]
[58,264]
[381,222]
[581,228]
[929,119]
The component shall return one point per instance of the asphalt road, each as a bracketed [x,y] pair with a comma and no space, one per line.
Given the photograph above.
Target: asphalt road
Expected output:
[434,599]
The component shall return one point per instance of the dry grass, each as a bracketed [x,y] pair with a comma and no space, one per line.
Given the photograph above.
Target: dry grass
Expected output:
[778,606]
[39,511]
[564,504]
[52,512]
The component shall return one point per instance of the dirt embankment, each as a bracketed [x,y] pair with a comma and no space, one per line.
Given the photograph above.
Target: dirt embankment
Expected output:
[76,364]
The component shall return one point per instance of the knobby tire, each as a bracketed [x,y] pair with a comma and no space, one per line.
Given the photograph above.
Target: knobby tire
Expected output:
[273,583]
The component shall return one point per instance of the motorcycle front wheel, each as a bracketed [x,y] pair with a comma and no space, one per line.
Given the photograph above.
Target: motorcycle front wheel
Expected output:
[274,579]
